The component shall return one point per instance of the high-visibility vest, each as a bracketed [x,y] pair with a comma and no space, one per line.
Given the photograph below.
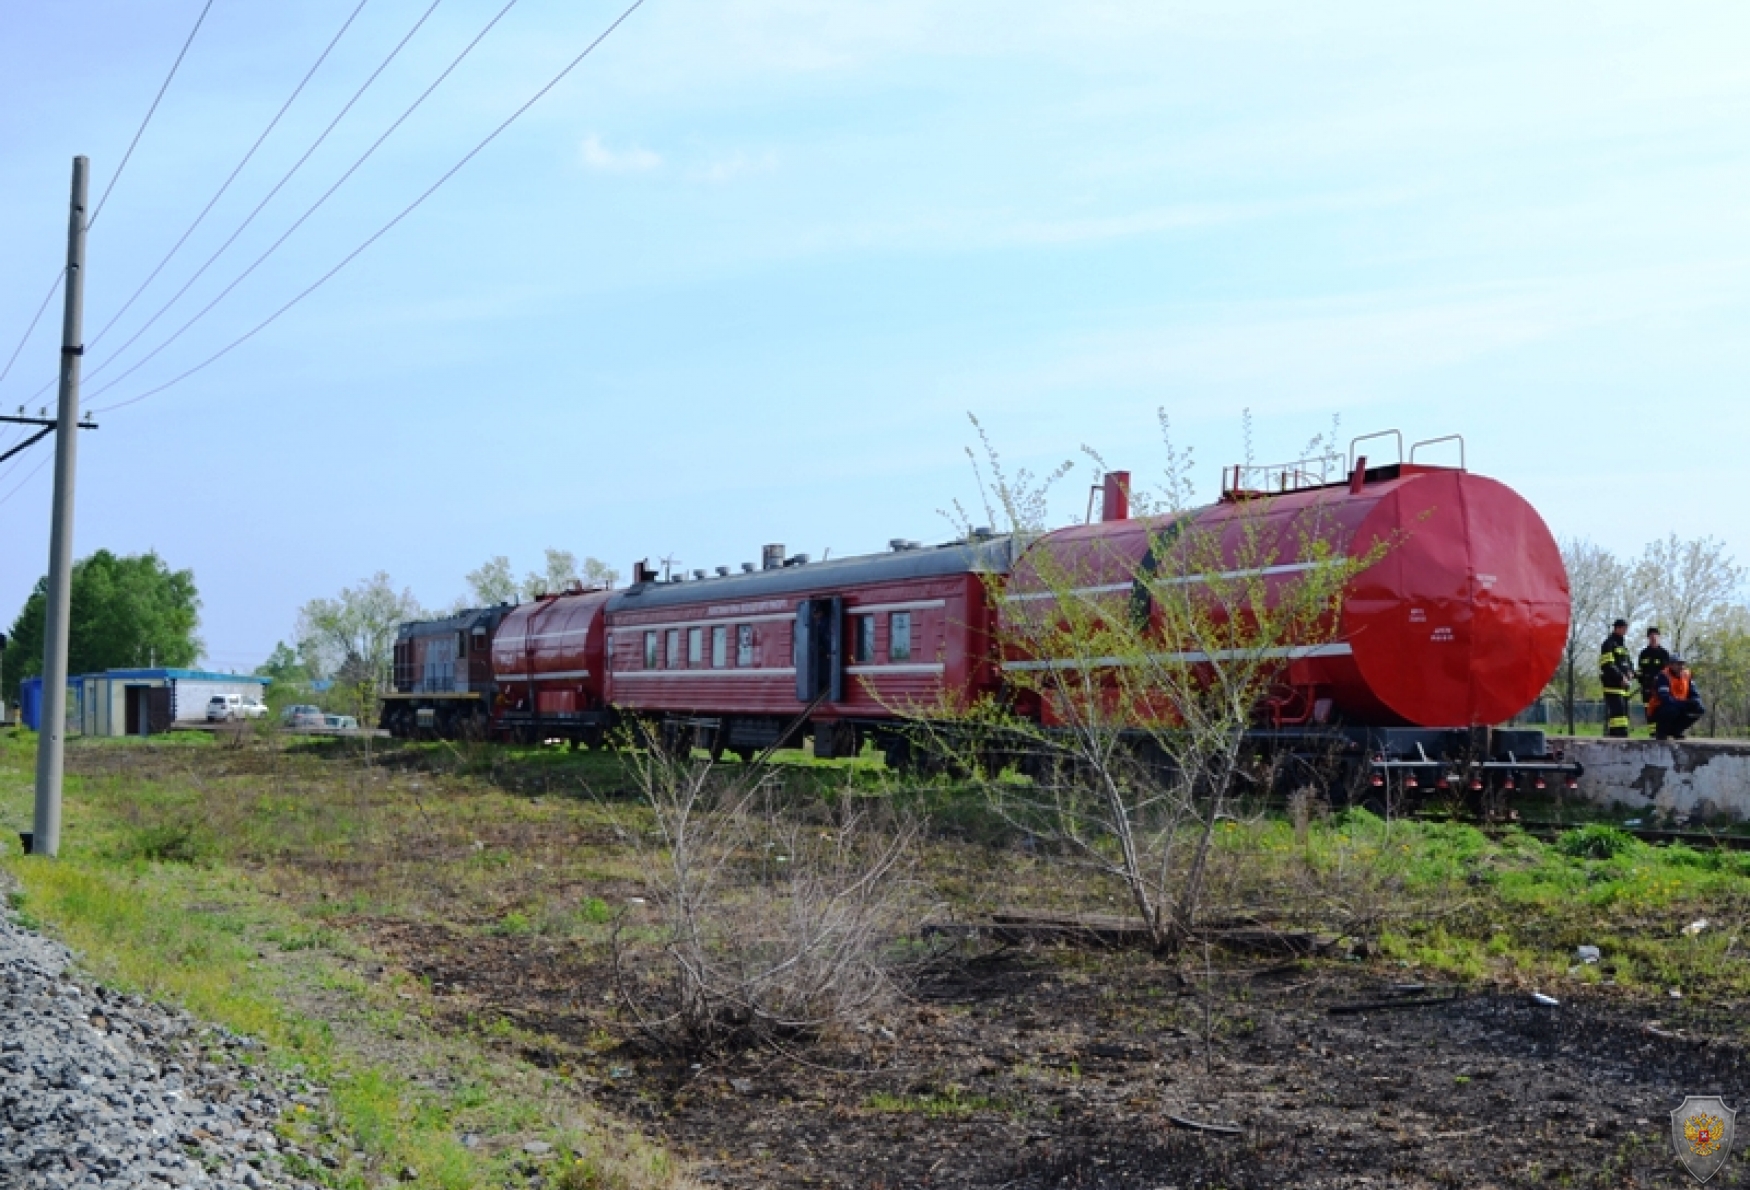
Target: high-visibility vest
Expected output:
[1679,692]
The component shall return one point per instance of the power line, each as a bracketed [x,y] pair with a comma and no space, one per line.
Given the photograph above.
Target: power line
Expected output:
[381,231]
[220,193]
[40,464]
[314,207]
[250,218]
[47,298]
[92,222]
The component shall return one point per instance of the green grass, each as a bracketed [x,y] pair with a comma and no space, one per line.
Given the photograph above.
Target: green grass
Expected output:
[167,885]
[248,885]
[947,1103]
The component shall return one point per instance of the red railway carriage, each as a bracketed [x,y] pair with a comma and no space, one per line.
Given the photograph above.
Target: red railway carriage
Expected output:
[442,677]
[1460,621]
[548,660]
[842,649]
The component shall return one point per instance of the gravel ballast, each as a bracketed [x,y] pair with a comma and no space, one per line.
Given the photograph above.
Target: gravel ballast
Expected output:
[101,1089]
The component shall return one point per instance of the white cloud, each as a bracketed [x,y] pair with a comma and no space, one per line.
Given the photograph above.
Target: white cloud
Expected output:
[737,164]
[617,161]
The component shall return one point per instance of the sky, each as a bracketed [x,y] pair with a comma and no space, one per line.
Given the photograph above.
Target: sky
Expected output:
[745,273]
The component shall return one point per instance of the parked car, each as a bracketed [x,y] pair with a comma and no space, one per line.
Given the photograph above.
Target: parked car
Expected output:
[340,722]
[302,717]
[222,708]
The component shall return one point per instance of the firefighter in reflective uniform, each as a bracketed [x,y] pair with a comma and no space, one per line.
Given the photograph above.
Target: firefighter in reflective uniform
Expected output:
[1653,658]
[1616,673]
[1676,704]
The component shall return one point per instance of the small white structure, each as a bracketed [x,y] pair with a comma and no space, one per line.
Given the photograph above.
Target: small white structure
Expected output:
[146,701]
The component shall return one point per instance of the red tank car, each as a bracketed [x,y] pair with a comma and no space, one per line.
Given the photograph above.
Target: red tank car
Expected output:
[1456,627]
[547,658]
[843,649]
[1460,621]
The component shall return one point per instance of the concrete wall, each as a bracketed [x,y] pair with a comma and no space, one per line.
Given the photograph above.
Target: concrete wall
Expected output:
[1704,779]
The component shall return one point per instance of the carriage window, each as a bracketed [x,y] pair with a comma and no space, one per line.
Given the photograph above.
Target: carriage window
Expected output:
[865,639]
[744,644]
[650,650]
[899,636]
[695,645]
[719,647]
[673,660]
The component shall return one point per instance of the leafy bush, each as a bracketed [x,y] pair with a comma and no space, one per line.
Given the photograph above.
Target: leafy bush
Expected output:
[1595,840]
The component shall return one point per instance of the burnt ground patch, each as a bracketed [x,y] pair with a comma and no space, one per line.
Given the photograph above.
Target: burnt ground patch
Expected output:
[1029,1069]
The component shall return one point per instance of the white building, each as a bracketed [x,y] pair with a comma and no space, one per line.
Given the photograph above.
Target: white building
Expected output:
[147,701]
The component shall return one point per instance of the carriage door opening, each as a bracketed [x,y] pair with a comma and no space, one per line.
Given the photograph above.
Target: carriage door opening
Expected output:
[820,652]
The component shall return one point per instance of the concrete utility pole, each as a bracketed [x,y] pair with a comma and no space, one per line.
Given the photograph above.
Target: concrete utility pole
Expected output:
[51,744]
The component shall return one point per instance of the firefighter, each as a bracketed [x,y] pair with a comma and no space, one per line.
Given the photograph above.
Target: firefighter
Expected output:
[1653,658]
[1617,675]
[1676,703]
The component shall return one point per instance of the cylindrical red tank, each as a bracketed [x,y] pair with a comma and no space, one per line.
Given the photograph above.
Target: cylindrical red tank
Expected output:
[1459,622]
[547,656]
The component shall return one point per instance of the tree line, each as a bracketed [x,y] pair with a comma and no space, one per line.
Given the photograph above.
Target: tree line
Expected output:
[1692,591]
[135,612]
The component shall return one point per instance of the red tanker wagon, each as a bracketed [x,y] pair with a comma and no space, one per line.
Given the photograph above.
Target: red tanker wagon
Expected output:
[548,661]
[846,650]
[1455,625]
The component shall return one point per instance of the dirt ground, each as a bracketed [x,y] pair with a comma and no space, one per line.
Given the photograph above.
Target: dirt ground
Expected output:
[1030,1068]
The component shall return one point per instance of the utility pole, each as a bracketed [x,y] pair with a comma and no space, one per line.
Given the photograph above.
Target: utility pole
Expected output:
[51,744]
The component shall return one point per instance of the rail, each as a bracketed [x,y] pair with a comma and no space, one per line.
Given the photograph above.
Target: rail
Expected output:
[1397,434]
[1253,479]
[1458,438]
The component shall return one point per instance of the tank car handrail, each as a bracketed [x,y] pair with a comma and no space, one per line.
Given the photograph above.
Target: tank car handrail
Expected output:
[1398,434]
[1276,478]
[1458,438]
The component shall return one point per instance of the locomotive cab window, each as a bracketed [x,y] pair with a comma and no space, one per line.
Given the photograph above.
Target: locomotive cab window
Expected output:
[650,650]
[865,647]
[899,636]
[674,648]
[744,645]
[719,647]
[695,645]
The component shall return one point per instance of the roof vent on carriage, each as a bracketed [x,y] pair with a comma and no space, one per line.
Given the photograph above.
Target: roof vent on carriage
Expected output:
[698,576]
[723,572]
[900,545]
[796,560]
[772,557]
[748,568]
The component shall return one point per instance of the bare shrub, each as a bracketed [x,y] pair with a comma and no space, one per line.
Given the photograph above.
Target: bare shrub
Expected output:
[765,924]
[1135,671]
